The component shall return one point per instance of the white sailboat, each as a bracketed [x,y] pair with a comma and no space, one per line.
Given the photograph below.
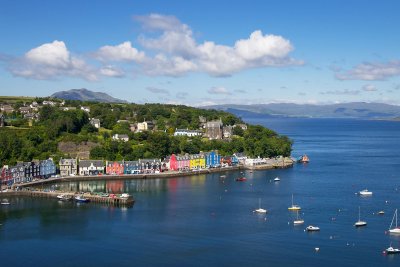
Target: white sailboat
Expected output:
[396,229]
[260,210]
[294,207]
[359,222]
[298,220]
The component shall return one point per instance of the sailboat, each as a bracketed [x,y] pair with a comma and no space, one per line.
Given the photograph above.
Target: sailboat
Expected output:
[298,220]
[260,210]
[396,229]
[294,207]
[359,222]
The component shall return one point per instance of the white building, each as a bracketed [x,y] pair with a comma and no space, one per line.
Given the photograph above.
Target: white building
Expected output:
[256,161]
[186,132]
[121,137]
[95,122]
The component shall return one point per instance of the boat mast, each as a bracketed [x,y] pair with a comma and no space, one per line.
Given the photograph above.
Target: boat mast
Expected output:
[359,214]
[394,215]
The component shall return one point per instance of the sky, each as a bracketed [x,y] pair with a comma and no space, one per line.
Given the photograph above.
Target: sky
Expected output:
[203,52]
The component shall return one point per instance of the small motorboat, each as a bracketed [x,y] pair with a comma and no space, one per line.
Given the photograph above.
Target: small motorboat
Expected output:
[125,195]
[81,199]
[365,192]
[381,212]
[241,179]
[277,179]
[312,228]
[392,250]
[222,176]
[303,159]
[5,202]
[64,197]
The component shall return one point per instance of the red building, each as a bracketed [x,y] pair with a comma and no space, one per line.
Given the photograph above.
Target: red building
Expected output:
[5,175]
[115,168]
[173,163]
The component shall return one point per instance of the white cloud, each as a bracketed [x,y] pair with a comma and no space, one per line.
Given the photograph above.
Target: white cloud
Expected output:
[157,90]
[341,92]
[49,61]
[163,65]
[111,71]
[177,41]
[121,52]
[218,91]
[369,88]
[371,71]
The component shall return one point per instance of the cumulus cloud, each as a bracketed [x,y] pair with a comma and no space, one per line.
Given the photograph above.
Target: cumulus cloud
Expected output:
[177,41]
[218,91]
[371,71]
[111,71]
[341,92]
[155,90]
[51,60]
[170,49]
[121,52]
[369,88]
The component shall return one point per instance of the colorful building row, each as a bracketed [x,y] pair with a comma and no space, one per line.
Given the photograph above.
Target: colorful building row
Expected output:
[24,172]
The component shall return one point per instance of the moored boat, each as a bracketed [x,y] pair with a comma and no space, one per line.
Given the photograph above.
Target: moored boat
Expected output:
[359,223]
[64,197]
[82,199]
[294,207]
[303,159]
[125,195]
[392,250]
[365,192]
[298,220]
[260,210]
[395,229]
[312,228]
[241,179]
[277,179]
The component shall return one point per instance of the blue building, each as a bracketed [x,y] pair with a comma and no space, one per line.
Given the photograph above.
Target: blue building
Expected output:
[47,168]
[132,167]
[213,159]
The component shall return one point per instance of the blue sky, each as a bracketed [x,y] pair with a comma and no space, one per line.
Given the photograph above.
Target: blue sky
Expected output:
[203,52]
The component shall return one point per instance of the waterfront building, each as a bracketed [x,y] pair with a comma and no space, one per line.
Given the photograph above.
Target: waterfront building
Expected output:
[183,162]
[32,170]
[115,168]
[91,167]
[47,168]
[150,165]
[132,167]
[5,175]
[226,161]
[241,157]
[197,161]
[213,159]
[255,161]
[234,160]
[17,173]
[68,167]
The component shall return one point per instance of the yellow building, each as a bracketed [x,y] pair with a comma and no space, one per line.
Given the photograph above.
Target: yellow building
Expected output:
[197,161]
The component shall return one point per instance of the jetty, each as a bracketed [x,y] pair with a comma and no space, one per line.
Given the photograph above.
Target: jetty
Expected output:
[113,200]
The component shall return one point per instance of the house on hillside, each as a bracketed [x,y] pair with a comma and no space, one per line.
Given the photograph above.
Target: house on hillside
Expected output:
[145,126]
[120,137]
[187,132]
[2,120]
[86,109]
[227,132]
[214,129]
[95,122]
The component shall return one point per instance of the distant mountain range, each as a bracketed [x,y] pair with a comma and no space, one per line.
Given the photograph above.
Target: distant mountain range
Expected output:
[345,110]
[86,95]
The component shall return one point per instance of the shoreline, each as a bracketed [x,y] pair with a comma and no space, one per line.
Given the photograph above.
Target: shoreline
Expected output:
[168,174]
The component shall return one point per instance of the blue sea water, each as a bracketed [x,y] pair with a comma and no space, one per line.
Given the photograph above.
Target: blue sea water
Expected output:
[204,220]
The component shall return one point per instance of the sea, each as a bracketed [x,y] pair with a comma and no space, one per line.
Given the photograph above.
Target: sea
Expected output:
[208,220]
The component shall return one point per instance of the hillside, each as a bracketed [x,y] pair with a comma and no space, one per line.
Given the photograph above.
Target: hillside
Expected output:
[86,95]
[345,110]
